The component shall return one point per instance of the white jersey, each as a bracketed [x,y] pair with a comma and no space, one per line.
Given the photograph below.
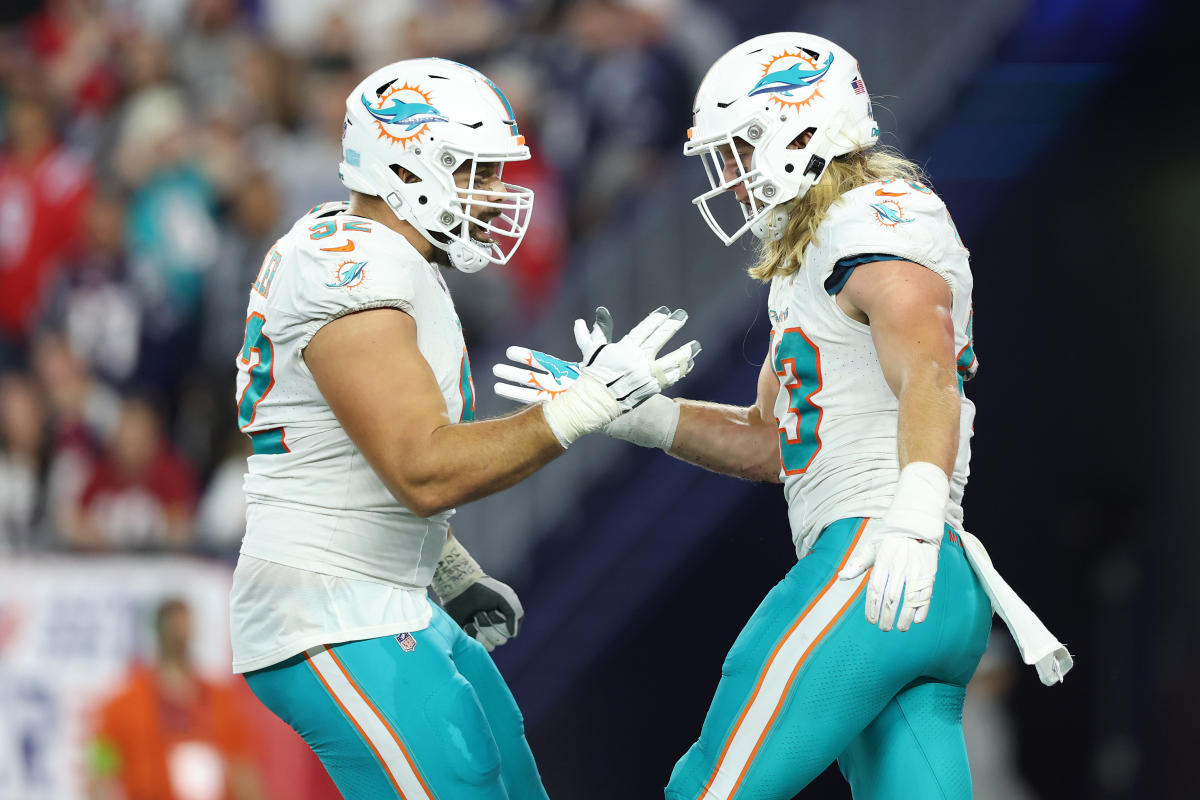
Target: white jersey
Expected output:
[837,415]
[329,553]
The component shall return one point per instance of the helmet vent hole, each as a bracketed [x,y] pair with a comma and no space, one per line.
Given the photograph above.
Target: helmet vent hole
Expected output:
[422,199]
[789,168]
[379,92]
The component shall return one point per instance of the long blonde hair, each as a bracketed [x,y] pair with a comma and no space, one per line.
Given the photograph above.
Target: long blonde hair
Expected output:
[805,214]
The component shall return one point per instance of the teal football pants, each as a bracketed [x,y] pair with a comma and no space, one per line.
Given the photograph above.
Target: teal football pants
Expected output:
[809,680]
[415,716]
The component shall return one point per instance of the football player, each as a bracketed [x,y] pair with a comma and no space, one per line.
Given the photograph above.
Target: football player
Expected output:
[861,415]
[355,388]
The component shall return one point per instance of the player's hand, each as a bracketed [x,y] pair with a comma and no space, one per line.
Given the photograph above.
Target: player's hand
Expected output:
[540,376]
[488,610]
[903,569]
[651,334]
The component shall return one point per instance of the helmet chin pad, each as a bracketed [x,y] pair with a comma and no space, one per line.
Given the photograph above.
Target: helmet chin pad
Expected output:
[467,258]
[770,225]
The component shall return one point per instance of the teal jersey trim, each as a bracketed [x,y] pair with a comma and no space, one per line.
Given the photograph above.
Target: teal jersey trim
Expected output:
[844,268]
[269,443]
[466,389]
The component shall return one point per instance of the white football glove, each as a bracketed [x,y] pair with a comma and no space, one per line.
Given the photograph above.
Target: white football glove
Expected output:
[900,566]
[542,376]
[651,334]
[901,549]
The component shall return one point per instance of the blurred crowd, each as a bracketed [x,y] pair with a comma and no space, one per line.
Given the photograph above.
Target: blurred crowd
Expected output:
[151,151]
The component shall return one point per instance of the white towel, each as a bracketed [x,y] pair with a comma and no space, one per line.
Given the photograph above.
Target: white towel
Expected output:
[1037,645]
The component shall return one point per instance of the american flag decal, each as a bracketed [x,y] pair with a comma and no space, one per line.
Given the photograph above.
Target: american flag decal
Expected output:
[858,86]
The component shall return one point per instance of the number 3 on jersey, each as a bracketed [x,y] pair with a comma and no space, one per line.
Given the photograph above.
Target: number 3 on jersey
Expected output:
[797,363]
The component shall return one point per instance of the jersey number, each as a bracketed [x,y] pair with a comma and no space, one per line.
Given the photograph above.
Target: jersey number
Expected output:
[798,365]
[262,377]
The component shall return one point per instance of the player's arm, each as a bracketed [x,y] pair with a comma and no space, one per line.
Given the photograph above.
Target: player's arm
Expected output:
[386,397]
[734,440]
[908,308]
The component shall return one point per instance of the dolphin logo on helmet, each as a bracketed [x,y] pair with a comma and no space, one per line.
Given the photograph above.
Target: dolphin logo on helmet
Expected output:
[414,115]
[791,78]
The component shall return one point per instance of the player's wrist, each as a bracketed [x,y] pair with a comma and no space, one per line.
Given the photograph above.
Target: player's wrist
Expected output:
[585,407]
[456,570]
[919,504]
[652,424]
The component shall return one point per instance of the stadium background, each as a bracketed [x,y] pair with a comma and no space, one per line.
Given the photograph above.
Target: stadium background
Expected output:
[173,140]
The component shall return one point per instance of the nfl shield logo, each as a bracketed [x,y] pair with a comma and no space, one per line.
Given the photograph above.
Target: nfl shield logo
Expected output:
[407,642]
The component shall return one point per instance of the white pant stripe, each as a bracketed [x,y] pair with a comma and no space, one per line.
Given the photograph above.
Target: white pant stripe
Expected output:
[377,731]
[774,686]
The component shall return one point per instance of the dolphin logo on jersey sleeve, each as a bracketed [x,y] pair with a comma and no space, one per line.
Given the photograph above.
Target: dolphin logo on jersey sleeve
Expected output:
[349,275]
[889,213]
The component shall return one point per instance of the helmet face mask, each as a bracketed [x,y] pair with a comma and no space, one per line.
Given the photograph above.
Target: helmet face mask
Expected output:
[430,117]
[769,92]
[495,213]
[757,208]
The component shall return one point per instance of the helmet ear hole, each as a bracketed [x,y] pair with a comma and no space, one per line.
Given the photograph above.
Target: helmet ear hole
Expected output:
[422,199]
[404,175]
[801,141]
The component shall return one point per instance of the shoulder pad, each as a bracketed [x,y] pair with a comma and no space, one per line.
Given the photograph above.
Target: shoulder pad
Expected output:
[332,275]
[893,217]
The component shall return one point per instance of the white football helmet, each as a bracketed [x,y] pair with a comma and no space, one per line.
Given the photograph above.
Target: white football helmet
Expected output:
[429,116]
[768,91]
